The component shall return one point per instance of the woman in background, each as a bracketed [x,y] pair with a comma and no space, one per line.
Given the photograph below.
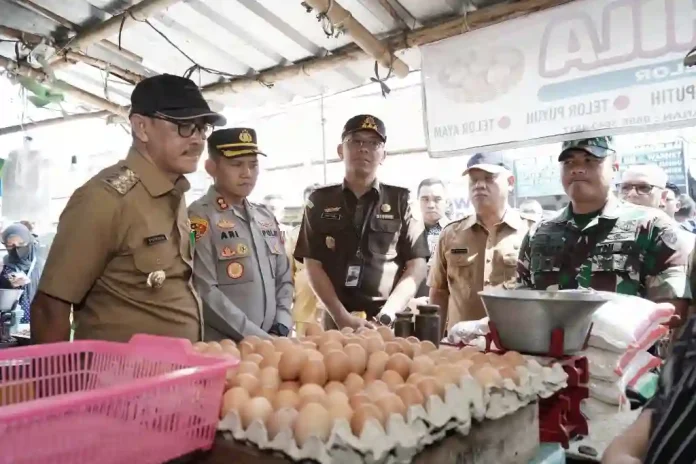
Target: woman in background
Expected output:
[22,266]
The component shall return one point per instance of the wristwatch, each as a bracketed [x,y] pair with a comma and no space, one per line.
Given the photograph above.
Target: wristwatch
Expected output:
[279,330]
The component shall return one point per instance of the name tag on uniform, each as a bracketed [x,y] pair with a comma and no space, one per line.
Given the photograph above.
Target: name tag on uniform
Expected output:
[155,239]
[332,216]
[353,276]
[384,216]
[460,251]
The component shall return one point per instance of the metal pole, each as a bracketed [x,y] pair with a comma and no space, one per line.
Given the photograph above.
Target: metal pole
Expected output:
[323,140]
[52,122]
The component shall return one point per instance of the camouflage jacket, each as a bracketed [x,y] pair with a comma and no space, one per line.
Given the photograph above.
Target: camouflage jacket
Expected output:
[626,249]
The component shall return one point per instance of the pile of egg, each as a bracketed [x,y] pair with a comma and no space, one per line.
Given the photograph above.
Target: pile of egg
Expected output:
[306,384]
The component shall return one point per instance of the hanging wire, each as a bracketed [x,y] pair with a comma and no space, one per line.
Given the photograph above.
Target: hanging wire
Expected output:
[330,29]
[382,81]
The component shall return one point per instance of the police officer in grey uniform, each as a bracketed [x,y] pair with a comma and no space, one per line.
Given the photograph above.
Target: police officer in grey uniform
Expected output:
[240,269]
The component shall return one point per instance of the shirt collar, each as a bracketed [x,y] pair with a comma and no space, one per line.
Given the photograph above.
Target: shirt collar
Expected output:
[375,185]
[511,217]
[152,178]
[215,198]
[610,210]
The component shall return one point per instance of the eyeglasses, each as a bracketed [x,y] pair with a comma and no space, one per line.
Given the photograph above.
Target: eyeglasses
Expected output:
[641,189]
[187,129]
[9,247]
[369,144]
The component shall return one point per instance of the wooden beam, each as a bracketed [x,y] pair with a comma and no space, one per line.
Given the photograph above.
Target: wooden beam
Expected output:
[125,74]
[68,89]
[343,19]
[26,37]
[52,122]
[352,53]
[28,4]
[111,26]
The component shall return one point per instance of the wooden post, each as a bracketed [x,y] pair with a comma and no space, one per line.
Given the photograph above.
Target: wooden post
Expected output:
[351,53]
[341,18]
[52,122]
[125,74]
[66,88]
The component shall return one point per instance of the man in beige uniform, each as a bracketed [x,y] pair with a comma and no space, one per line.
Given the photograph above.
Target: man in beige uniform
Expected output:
[478,250]
[122,257]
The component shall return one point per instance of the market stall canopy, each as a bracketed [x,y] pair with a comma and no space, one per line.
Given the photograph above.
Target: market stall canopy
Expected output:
[243,53]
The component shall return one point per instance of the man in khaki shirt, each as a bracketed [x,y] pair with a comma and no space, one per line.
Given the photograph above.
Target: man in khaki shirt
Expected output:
[122,256]
[478,250]
[304,308]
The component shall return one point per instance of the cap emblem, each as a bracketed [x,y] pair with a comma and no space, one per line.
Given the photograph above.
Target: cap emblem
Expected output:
[369,123]
[245,137]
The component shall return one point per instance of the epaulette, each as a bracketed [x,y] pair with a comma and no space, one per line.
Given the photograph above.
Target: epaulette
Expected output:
[123,180]
[328,186]
[396,187]
[528,217]
[456,221]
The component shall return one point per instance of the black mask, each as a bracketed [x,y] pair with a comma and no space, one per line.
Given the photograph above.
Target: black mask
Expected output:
[19,253]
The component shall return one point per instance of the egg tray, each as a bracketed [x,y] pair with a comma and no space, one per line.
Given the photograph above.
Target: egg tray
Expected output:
[464,405]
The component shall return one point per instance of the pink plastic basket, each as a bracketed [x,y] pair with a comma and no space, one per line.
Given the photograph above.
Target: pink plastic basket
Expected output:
[147,401]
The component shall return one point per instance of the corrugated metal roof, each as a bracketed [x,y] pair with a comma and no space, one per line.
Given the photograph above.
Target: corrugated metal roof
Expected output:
[239,37]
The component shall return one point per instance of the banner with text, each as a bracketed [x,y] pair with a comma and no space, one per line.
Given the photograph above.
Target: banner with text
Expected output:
[541,176]
[586,66]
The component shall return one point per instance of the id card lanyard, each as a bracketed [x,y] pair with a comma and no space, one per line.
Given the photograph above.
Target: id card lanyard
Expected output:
[354,270]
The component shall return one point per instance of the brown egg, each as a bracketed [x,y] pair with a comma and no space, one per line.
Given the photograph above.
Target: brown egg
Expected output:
[465,364]
[331,335]
[269,378]
[356,340]
[333,398]
[386,333]
[422,365]
[233,399]
[248,367]
[232,351]
[340,411]
[496,360]
[468,351]
[374,344]
[215,345]
[313,355]
[354,383]
[245,348]
[286,399]
[330,345]
[415,378]
[200,347]
[253,339]
[313,420]
[393,379]
[391,404]
[313,329]
[429,386]
[376,389]
[406,347]
[347,330]
[479,358]
[281,419]
[337,365]
[313,372]
[282,343]
[358,399]
[515,359]
[410,395]
[248,382]
[392,348]
[413,340]
[290,385]
[427,346]
[368,332]
[362,415]
[357,358]
[258,408]
[272,361]
[488,376]
[214,350]
[509,372]
[254,357]
[400,363]
[447,373]
[265,348]
[333,386]
[267,392]
[311,389]
[292,362]
[377,362]
[308,345]
[370,377]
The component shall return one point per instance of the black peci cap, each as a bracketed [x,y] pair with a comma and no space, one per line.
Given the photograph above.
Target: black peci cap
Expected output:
[492,163]
[365,122]
[174,97]
[237,141]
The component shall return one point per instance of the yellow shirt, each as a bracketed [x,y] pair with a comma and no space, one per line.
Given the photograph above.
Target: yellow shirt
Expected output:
[305,304]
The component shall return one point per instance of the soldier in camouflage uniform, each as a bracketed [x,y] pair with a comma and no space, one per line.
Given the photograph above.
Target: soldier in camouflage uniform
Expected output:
[601,242]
